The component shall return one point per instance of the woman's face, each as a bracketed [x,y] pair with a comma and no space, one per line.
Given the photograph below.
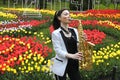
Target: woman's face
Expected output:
[65,17]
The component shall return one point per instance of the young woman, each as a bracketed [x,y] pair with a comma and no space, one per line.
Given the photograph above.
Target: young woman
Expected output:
[65,40]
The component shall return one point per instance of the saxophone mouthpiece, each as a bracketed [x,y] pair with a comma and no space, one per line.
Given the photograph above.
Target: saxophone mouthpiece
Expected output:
[70,19]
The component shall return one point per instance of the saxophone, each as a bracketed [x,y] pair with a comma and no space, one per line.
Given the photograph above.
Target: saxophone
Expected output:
[86,48]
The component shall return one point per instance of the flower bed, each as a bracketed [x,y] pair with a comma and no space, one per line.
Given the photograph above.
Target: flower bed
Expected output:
[25,52]
[7,15]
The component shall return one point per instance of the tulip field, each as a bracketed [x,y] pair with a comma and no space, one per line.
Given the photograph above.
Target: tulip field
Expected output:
[26,47]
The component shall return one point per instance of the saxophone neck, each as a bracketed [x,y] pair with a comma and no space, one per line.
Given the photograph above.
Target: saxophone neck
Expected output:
[80,24]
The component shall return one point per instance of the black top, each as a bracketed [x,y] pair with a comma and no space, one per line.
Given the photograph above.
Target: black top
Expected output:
[71,46]
[70,42]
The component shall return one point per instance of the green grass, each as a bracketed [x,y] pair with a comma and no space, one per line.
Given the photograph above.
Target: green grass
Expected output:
[101,6]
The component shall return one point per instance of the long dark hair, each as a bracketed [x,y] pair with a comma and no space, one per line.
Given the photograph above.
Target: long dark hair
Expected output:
[56,21]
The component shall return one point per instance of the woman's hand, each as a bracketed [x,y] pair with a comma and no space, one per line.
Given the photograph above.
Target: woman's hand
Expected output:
[85,36]
[75,56]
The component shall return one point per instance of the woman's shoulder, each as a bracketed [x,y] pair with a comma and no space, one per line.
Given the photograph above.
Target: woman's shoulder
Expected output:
[56,31]
[72,28]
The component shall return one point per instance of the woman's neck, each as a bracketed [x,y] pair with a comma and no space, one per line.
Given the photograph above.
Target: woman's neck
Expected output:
[65,26]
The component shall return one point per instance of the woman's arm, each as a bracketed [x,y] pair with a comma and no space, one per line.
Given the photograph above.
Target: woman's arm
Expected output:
[57,45]
[59,51]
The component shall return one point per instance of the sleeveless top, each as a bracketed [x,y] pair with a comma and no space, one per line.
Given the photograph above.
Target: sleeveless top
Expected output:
[71,46]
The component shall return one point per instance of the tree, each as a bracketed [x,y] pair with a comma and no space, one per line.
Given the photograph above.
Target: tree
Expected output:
[42,4]
[4,1]
[87,4]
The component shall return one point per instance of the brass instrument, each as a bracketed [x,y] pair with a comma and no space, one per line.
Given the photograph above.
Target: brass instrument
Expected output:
[86,48]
